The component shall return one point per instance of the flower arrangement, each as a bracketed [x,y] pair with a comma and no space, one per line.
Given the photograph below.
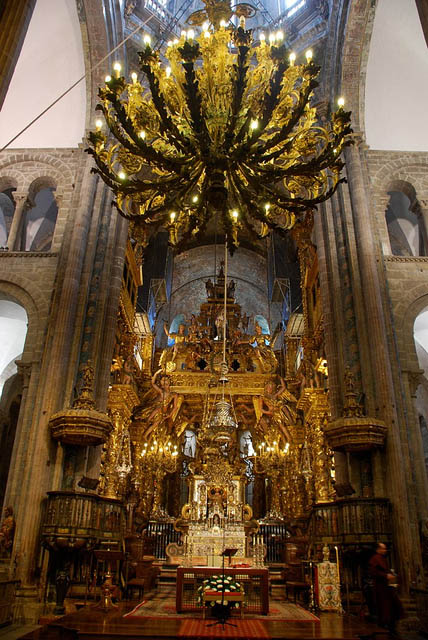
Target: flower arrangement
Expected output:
[215,584]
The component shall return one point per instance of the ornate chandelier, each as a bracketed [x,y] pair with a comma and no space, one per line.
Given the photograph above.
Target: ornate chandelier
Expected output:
[225,130]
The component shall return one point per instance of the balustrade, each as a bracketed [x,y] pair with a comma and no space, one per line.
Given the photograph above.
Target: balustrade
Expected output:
[161,534]
[75,520]
[355,520]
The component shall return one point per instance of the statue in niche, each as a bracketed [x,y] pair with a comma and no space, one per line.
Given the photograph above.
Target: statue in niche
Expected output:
[275,410]
[7,532]
[231,290]
[122,369]
[88,375]
[209,286]
[161,407]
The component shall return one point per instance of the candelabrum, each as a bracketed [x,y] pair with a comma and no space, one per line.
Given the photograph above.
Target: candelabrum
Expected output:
[158,459]
[258,550]
[270,461]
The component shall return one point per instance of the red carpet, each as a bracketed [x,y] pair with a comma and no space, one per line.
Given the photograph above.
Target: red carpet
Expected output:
[244,630]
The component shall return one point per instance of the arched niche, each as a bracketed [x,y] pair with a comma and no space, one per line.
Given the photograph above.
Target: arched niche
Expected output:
[406,229]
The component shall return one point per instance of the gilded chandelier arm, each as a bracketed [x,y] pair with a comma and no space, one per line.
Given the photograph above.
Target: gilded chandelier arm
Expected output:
[287,128]
[167,125]
[270,102]
[239,87]
[139,148]
[194,104]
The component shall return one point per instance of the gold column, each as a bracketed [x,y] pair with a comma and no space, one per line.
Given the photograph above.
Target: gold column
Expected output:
[116,458]
[314,403]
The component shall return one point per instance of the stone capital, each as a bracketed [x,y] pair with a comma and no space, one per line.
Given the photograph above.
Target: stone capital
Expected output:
[414,378]
[24,370]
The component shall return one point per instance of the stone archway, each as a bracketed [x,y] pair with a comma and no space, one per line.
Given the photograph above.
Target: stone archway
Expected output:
[13,333]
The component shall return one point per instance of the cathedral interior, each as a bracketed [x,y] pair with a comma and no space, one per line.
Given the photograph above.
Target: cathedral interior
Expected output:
[176,384]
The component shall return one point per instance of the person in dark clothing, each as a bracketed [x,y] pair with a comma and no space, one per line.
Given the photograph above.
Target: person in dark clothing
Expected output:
[387,604]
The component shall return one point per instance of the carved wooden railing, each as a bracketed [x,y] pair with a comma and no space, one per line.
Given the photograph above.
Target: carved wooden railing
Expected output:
[75,520]
[351,521]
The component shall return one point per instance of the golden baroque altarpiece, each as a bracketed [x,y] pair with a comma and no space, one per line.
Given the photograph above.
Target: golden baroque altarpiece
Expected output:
[246,442]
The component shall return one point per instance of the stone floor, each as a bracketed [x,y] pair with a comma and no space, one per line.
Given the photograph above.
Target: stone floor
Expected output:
[15,630]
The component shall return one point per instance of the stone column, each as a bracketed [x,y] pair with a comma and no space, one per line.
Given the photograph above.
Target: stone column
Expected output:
[331,303]
[110,304]
[34,474]
[397,460]
[21,203]
[411,380]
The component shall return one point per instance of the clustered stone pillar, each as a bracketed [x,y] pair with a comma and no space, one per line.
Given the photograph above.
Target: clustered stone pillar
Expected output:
[368,262]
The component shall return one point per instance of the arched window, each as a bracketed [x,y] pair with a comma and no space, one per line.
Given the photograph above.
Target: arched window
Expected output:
[13,330]
[39,223]
[405,226]
[7,208]
[420,335]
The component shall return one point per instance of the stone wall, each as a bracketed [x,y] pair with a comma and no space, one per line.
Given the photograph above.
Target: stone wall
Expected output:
[192,269]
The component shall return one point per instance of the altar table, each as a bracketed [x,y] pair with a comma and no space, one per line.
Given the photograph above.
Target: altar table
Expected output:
[213,596]
[255,583]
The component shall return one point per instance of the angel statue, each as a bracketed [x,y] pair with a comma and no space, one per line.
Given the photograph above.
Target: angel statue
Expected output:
[160,407]
[275,410]
[177,340]
[260,341]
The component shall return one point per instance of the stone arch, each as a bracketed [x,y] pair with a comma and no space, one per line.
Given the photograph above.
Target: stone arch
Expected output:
[356,42]
[19,291]
[36,170]
[410,213]
[95,47]
[396,171]
[8,182]
[43,182]
[405,318]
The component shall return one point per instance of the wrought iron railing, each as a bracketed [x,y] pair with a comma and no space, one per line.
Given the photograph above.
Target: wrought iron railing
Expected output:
[161,534]
[274,538]
[349,521]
